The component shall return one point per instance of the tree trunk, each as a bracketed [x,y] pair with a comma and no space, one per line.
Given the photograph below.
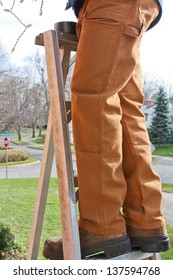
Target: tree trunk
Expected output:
[19,133]
[40,131]
[33,130]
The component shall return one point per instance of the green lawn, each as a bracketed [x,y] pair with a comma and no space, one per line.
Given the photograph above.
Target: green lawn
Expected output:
[37,147]
[19,142]
[25,140]
[164,150]
[168,255]
[167,187]
[17,202]
[38,139]
[11,163]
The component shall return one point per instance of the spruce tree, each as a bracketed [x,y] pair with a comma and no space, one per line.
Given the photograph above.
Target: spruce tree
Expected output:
[159,130]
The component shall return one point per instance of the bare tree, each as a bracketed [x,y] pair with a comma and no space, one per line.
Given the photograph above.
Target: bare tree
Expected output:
[5,68]
[14,103]
[4,60]
[40,65]
[24,98]
[151,85]
[39,89]
[36,110]
[169,87]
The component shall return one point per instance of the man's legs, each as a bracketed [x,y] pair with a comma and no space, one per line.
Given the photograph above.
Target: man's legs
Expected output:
[107,64]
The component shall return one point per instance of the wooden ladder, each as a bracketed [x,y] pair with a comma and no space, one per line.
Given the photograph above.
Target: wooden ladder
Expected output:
[59,46]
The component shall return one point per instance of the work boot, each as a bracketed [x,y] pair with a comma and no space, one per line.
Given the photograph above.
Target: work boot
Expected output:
[91,244]
[149,240]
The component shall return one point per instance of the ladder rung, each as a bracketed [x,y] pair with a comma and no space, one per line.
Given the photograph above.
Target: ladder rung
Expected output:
[134,255]
[137,255]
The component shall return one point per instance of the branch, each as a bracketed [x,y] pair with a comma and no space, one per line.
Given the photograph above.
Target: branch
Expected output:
[26,27]
[19,20]
[10,11]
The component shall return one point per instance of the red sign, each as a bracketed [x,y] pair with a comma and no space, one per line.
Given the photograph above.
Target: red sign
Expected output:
[6,142]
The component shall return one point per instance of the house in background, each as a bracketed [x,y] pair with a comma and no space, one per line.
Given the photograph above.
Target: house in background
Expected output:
[148,109]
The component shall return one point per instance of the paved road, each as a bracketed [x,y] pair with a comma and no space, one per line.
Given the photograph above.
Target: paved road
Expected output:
[163,166]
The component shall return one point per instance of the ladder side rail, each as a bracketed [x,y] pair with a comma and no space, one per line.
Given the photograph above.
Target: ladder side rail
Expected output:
[70,232]
[42,192]
[65,59]
[156,256]
[66,62]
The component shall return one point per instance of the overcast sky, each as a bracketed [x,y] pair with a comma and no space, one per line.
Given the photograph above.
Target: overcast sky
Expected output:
[156,49]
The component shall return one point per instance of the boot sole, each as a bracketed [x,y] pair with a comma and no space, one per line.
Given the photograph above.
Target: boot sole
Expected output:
[107,249]
[151,244]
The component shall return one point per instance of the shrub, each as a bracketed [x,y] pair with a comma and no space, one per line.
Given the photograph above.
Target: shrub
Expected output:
[10,250]
[14,155]
[18,252]
[6,240]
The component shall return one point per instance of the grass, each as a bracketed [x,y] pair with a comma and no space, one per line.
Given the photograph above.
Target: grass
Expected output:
[37,147]
[164,150]
[17,202]
[11,163]
[19,142]
[38,139]
[167,187]
[168,255]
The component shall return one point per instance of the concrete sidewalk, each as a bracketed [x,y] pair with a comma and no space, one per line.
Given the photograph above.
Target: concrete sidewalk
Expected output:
[167,207]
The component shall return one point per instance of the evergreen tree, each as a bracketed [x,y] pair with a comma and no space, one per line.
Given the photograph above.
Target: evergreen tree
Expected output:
[159,130]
